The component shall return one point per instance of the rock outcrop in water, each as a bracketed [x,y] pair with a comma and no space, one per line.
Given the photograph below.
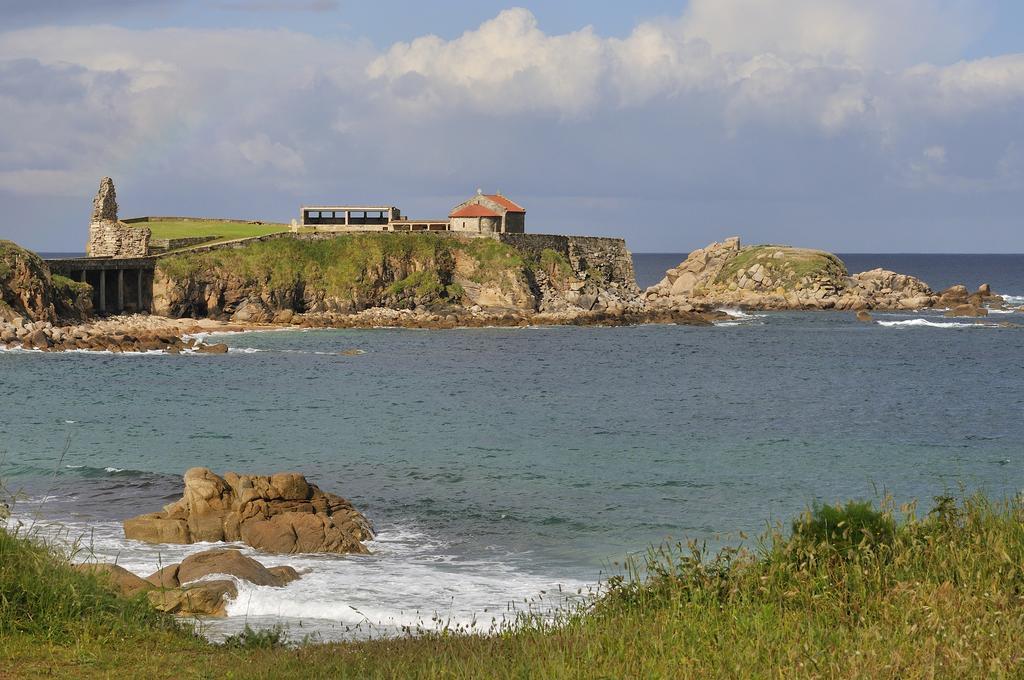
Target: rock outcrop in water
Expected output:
[280,513]
[782,277]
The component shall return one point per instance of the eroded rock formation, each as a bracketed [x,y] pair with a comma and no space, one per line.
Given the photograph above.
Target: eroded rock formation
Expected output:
[29,293]
[280,513]
[782,277]
[109,237]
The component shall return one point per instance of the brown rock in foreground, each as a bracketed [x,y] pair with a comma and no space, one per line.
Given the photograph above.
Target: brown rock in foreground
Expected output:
[281,513]
[206,598]
[179,590]
[122,580]
[227,561]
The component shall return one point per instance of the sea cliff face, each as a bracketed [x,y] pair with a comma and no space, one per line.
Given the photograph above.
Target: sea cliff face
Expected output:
[29,292]
[276,278]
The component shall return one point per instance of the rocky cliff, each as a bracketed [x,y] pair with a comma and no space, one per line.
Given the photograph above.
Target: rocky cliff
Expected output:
[28,291]
[783,277]
[281,276]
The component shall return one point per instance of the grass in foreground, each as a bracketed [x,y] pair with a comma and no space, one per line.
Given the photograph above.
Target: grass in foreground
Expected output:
[851,591]
[210,228]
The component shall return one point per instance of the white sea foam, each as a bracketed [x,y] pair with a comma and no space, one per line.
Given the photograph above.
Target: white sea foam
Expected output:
[739,318]
[411,580]
[201,336]
[1014,299]
[925,323]
[740,314]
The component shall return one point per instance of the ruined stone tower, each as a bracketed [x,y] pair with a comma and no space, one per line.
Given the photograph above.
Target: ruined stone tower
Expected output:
[109,237]
[104,206]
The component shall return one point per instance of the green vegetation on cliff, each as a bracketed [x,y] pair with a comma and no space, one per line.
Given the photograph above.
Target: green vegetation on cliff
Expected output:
[28,290]
[849,591]
[355,267]
[784,264]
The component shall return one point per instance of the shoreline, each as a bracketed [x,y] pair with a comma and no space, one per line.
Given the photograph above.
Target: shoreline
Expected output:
[147,333]
[139,333]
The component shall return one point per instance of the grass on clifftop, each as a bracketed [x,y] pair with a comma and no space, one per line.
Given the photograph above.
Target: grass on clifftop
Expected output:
[848,591]
[793,265]
[209,228]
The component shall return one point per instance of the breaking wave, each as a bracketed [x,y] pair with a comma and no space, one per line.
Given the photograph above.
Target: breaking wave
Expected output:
[925,323]
[412,581]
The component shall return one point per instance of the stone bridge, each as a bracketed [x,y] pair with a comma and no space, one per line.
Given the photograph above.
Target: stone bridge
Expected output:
[119,284]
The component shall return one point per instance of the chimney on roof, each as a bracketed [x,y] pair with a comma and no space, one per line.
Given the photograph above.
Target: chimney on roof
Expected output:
[479,191]
[498,192]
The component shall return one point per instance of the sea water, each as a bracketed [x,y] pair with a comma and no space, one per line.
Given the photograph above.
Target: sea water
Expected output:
[510,469]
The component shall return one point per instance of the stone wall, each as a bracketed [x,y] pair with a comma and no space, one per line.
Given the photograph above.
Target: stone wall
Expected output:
[590,256]
[117,239]
[109,237]
[158,246]
[482,225]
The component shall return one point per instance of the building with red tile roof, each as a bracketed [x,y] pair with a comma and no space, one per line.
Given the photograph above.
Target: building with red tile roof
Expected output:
[488,214]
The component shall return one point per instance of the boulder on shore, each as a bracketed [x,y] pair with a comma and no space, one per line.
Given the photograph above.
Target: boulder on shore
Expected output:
[177,588]
[228,561]
[205,598]
[119,578]
[281,513]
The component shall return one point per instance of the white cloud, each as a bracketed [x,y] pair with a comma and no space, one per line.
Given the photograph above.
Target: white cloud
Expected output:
[507,64]
[935,154]
[261,152]
[734,98]
[862,32]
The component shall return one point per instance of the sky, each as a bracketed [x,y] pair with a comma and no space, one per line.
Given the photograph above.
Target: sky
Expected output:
[849,125]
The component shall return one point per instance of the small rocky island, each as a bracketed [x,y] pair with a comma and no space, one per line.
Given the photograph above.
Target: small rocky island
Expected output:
[771,277]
